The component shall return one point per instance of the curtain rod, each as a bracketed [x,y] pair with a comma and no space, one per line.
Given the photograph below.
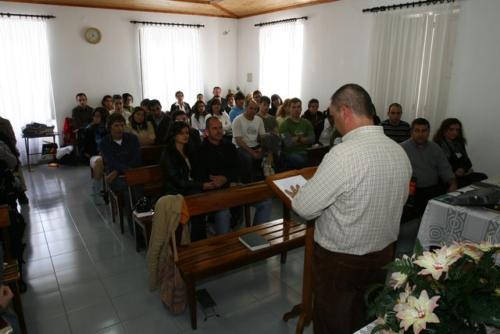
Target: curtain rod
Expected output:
[167,24]
[405,5]
[281,21]
[28,15]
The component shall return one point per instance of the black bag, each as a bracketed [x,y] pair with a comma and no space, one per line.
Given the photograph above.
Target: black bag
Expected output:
[143,205]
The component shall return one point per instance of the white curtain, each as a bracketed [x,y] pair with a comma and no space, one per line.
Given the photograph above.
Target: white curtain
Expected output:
[412,59]
[170,61]
[280,47]
[25,80]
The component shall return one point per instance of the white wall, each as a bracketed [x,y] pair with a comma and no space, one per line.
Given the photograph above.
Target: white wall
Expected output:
[337,51]
[336,46]
[475,82]
[112,66]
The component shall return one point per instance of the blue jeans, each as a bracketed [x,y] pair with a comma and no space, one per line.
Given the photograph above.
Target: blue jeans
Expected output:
[263,211]
[250,167]
[222,221]
[295,160]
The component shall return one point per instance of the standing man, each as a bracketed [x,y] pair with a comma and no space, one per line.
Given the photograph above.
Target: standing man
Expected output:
[223,102]
[394,127]
[357,197]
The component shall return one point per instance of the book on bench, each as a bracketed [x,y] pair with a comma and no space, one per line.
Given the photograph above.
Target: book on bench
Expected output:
[254,241]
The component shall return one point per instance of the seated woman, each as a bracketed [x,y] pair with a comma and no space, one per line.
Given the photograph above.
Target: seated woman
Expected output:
[222,116]
[452,141]
[139,126]
[177,172]
[315,117]
[276,102]
[198,116]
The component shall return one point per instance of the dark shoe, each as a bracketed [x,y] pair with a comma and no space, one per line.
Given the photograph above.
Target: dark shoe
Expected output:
[23,199]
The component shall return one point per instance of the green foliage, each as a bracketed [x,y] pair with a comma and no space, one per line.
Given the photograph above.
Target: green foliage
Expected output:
[469,293]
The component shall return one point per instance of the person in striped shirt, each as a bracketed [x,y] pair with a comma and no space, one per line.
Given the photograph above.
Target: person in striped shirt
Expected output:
[394,127]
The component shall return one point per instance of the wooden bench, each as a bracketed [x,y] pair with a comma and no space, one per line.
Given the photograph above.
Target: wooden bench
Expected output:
[219,254]
[151,154]
[11,273]
[150,179]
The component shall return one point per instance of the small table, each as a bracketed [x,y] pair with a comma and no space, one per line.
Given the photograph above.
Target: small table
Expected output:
[444,223]
[32,136]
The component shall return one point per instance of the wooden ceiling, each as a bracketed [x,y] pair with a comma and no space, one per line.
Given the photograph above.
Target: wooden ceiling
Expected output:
[220,8]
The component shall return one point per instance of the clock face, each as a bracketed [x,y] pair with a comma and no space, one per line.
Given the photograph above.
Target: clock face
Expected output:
[93,35]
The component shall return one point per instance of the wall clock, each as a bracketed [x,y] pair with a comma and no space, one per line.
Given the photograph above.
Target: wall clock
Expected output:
[93,35]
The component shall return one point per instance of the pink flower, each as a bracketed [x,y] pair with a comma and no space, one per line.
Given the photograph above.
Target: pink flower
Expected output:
[417,312]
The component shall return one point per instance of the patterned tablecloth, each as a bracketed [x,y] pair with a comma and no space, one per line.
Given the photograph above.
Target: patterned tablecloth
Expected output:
[443,223]
[367,329]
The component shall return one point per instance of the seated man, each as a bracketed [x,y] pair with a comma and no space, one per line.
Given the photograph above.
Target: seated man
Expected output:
[297,134]
[431,170]
[217,161]
[160,121]
[313,115]
[394,127]
[239,100]
[217,95]
[120,151]
[94,133]
[119,109]
[82,113]
[247,130]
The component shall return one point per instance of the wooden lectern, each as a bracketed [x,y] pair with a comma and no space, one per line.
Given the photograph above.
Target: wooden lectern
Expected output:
[304,309]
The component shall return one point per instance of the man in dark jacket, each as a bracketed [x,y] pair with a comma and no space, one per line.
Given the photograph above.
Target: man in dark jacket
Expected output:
[82,113]
[160,121]
[120,151]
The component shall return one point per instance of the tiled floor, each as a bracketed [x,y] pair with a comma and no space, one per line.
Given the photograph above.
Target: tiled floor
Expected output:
[85,277]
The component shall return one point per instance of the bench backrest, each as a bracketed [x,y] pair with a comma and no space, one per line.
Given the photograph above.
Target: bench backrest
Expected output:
[227,198]
[144,175]
[151,154]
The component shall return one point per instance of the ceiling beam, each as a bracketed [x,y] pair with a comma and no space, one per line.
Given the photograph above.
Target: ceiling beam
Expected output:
[279,9]
[227,11]
[135,9]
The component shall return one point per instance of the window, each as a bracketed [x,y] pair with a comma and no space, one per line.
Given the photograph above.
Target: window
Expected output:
[412,61]
[280,47]
[25,83]
[170,61]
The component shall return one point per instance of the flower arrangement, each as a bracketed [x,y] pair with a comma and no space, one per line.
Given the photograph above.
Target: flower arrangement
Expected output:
[454,289]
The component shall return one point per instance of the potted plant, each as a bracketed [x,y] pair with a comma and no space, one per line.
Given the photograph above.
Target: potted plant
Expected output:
[450,290]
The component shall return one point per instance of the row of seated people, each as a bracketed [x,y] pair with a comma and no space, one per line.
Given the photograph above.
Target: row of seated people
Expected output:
[188,168]
[431,161]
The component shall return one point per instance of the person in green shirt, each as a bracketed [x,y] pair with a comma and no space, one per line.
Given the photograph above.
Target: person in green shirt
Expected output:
[297,134]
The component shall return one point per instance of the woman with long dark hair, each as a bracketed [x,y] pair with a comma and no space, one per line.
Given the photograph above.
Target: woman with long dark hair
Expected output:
[276,102]
[221,115]
[139,126]
[451,138]
[177,165]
